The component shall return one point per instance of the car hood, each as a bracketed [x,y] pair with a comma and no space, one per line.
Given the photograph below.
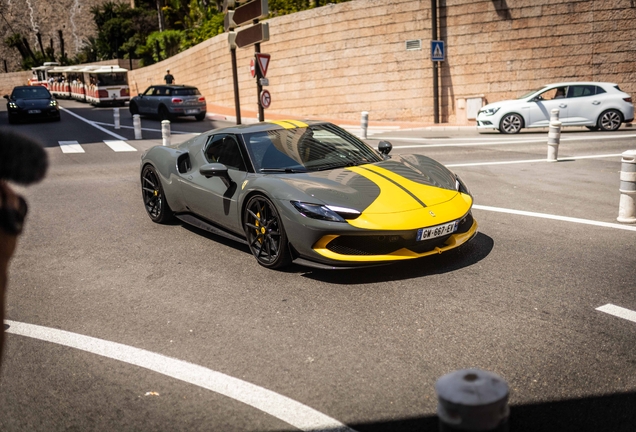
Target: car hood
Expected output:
[399,193]
[32,103]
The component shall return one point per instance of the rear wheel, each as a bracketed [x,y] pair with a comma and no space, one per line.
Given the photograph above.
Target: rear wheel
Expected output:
[610,120]
[265,233]
[200,116]
[154,197]
[164,114]
[511,124]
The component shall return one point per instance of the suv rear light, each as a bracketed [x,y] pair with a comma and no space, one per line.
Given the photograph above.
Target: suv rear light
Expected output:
[124,92]
[202,99]
[628,99]
[177,100]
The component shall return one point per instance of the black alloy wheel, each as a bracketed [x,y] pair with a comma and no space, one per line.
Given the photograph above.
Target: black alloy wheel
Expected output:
[133,108]
[154,198]
[511,124]
[200,116]
[610,120]
[265,233]
[164,114]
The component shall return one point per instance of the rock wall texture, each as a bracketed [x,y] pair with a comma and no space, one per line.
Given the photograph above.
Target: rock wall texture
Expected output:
[339,60]
[28,17]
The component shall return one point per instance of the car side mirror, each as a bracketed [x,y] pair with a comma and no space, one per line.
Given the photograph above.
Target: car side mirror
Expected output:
[385,147]
[216,170]
[6,97]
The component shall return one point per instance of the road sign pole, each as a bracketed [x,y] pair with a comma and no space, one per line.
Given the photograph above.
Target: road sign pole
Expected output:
[237,101]
[435,78]
[259,87]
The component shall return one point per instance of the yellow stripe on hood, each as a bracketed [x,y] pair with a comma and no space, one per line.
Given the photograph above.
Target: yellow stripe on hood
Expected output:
[288,124]
[397,209]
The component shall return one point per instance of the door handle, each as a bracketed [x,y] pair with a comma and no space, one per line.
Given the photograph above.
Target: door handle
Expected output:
[563,106]
[596,103]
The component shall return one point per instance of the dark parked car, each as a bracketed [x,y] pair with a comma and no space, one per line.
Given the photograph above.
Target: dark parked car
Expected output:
[169,101]
[31,102]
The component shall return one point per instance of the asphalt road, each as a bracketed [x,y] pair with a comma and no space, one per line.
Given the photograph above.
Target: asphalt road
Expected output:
[363,348]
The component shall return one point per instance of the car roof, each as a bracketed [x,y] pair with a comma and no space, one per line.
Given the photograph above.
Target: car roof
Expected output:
[266,126]
[174,86]
[569,83]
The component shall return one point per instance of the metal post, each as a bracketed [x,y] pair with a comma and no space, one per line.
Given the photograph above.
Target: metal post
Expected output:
[472,400]
[364,123]
[554,138]
[435,77]
[259,87]
[627,206]
[554,115]
[165,132]
[116,117]
[137,126]
[237,102]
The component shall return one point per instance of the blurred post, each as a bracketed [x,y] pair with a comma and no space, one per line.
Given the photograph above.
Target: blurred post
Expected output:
[364,123]
[554,138]
[137,126]
[472,400]
[554,115]
[116,117]
[627,206]
[165,132]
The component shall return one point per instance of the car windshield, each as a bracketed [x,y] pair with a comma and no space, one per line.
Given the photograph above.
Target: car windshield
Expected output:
[302,149]
[186,92]
[525,95]
[35,92]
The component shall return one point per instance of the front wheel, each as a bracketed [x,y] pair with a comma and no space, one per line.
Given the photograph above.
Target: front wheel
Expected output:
[265,233]
[154,197]
[610,120]
[511,124]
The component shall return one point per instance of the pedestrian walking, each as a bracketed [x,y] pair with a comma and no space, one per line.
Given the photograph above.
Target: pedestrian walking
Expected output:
[169,79]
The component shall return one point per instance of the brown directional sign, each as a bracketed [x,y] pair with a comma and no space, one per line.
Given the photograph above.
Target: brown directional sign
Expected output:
[246,13]
[252,35]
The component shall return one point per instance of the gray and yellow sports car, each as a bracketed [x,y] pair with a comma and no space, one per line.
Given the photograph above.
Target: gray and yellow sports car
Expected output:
[308,192]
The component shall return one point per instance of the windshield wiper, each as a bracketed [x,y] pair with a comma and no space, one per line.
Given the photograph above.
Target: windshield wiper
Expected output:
[283,170]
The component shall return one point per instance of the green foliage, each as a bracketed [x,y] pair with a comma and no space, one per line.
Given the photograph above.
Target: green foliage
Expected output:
[164,44]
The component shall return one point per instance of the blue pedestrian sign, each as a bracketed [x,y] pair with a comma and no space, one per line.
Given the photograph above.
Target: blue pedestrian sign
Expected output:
[437,51]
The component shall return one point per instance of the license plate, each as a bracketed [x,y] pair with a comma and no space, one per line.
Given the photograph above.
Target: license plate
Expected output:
[34,111]
[192,111]
[437,231]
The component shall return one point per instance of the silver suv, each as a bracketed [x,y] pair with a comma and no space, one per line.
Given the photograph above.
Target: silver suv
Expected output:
[169,101]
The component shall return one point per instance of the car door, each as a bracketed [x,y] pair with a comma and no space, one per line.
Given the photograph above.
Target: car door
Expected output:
[585,103]
[211,198]
[542,105]
[144,103]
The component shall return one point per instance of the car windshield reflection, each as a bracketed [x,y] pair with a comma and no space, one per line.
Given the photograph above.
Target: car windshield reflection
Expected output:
[303,149]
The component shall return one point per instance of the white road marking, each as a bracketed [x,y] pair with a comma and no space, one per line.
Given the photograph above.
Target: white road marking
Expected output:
[70,147]
[618,312]
[120,146]
[535,160]
[114,135]
[288,410]
[489,141]
[555,217]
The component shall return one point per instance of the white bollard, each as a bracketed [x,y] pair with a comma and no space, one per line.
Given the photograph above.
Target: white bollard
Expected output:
[364,123]
[472,400]
[554,138]
[137,126]
[165,132]
[554,115]
[627,206]
[116,117]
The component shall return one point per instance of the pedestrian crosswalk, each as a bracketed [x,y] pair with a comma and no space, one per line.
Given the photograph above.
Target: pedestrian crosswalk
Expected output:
[115,145]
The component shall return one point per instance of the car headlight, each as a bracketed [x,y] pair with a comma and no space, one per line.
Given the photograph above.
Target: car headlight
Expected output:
[12,105]
[460,186]
[53,103]
[325,212]
[488,111]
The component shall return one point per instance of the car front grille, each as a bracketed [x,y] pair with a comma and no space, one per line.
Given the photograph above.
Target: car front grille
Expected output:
[385,244]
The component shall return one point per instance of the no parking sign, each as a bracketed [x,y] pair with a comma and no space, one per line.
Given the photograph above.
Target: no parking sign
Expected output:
[266,99]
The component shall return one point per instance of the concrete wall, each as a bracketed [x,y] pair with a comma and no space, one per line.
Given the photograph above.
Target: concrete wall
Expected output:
[339,60]
[12,79]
